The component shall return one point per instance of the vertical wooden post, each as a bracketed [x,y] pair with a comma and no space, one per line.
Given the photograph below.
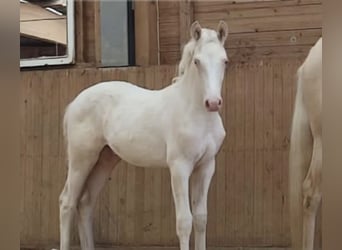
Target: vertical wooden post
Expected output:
[79,31]
[90,22]
[146,39]
[97,33]
[185,20]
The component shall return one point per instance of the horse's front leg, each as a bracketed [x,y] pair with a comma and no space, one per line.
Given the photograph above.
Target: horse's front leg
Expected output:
[200,183]
[180,173]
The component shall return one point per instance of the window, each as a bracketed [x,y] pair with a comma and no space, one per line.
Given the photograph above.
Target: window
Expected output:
[46,32]
[116,33]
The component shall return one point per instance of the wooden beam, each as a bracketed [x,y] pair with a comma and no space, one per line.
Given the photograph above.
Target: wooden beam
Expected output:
[38,23]
[79,31]
[97,31]
[46,30]
[185,19]
[53,3]
[29,12]
[146,39]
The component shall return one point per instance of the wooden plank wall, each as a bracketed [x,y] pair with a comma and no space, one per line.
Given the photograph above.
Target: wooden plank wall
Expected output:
[248,197]
[258,28]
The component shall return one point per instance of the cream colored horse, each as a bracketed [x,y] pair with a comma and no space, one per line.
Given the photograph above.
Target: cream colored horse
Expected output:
[306,151]
[177,127]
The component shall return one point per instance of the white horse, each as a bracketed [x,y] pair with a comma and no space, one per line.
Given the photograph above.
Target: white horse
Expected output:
[178,127]
[306,151]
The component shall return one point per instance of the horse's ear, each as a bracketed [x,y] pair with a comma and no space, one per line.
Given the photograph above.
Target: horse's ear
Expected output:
[222,31]
[195,30]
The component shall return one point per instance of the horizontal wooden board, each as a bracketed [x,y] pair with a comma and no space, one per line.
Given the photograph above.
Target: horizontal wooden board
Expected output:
[262,39]
[217,6]
[245,54]
[273,11]
[274,38]
[31,12]
[260,24]
[53,31]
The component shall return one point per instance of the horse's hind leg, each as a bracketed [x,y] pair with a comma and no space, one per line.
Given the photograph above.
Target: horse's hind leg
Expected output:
[81,160]
[312,196]
[97,179]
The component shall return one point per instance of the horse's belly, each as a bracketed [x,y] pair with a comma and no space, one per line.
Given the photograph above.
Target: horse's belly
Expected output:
[141,153]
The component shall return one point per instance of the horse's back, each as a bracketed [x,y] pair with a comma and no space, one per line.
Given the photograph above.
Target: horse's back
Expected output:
[107,93]
[113,88]
[90,107]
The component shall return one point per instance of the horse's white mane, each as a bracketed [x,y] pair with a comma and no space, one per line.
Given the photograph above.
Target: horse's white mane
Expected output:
[186,58]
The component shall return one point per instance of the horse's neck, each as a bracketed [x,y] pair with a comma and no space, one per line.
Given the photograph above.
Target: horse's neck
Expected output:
[188,88]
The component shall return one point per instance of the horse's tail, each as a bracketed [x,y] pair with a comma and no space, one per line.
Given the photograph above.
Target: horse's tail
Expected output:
[299,162]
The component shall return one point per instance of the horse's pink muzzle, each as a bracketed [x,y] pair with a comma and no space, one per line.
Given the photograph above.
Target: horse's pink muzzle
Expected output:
[213,105]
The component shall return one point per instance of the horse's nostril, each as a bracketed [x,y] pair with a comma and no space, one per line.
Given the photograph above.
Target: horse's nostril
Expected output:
[219,102]
[207,103]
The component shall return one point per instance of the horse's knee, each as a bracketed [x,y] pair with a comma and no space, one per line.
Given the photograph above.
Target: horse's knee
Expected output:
[311,196]
[66,207]
[184,225]
[200,222]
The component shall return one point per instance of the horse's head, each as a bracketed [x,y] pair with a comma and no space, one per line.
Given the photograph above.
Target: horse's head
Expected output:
[208,60]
